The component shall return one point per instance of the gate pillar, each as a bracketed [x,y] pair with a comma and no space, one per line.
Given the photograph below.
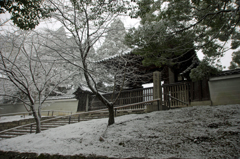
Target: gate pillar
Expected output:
[157,88]
[157,92]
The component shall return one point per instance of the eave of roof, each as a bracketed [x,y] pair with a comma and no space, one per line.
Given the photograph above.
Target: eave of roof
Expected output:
[113,57]
[229,72]
[195,62]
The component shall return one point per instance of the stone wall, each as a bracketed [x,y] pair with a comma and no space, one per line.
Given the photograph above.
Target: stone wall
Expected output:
[61,104]
[12,108]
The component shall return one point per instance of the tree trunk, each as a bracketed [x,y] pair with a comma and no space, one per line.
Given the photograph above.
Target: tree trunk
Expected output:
[111,115]
[39,112]
[37,119]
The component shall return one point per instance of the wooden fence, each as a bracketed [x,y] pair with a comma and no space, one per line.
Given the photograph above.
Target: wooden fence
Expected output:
[200,90]
[126,97]
[183,93]
[176,94]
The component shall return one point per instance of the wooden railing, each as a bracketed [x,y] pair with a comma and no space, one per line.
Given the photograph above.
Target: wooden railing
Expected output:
[177,94]
[126,97]
[55,112]
[43,113]
[137,106]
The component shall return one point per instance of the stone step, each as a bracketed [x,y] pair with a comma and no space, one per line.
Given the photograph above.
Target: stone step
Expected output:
[49,126]
[7,136]
[14,133]
[72,121]
[91,117]
[53,124]
[57,124]
[98,114]
[21,130]
[66,121]
[33,129]
[42,127]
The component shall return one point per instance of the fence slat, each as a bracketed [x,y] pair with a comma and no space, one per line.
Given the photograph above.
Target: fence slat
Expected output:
[126,97]
[177,94]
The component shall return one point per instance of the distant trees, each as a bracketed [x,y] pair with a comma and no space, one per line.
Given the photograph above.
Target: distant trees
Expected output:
[26,69]
[26,14]
[235,63]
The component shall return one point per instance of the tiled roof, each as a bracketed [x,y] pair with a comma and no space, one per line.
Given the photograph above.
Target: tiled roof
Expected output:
[61,97]
[113,57]
[229,72]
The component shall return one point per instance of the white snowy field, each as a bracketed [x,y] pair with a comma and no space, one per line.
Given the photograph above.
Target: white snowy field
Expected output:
[193,132]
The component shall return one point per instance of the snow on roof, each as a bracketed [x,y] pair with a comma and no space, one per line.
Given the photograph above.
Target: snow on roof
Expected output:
[229,72]
[70,96]
[114,56]
[84,88]
[87,89]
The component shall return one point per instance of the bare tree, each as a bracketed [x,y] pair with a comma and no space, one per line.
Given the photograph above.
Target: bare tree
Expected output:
[88,22]
[23,65]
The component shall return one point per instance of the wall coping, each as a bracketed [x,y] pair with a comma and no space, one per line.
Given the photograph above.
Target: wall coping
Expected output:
[224,77]
[60,100]
[47,101]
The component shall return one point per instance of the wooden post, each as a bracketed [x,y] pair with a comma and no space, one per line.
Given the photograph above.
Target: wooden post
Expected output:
[157,88]
[115,112]
[69,120]
[171,76]
[87,101]
[31,128]
[157,92]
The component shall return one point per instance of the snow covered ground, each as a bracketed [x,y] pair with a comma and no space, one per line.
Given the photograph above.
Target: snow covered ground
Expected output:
[193,132]
[5,119]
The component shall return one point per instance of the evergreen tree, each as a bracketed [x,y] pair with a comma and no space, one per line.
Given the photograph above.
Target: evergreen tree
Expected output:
[235,63]
[173,27]
[26,14]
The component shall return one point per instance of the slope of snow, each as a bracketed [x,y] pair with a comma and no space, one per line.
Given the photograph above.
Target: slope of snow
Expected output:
[193,132]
